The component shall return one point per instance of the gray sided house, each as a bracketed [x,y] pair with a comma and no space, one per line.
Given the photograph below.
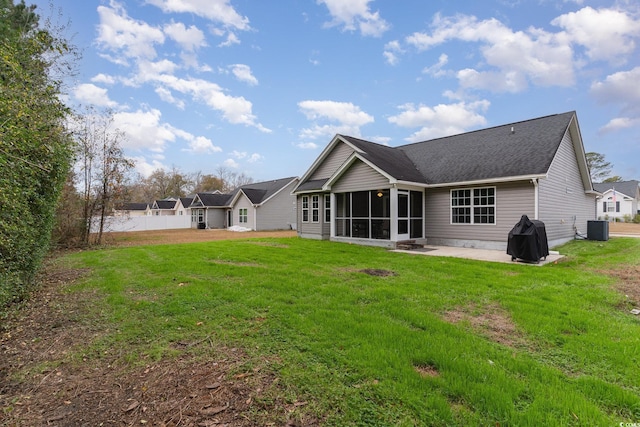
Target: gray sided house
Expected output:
[464,190]
[260,206]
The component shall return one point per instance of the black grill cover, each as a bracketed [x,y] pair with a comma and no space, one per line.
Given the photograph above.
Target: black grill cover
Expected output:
[528,240]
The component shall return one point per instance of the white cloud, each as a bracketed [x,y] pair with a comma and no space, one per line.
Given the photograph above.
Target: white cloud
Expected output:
[202,145]
[218,11]
[622,88]
[147,70]
[230,163]
[230,41]
[235,110]
[144,168]
[307,145]
[167,96]
[243,155]
[255,157]
[243,73]
[103,78]
[190,39]
[391,51]
[125,36]
[441,120]
[436,69]
[349,117]
[239,154]
[91,94]
[537,56]
[607,34]
[620,123]
[144,130]
[355,15]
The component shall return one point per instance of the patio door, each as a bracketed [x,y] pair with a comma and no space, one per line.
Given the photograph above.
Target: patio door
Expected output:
[403,215]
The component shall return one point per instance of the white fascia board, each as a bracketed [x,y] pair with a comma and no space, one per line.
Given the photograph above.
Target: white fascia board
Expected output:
[488,181]
[581,157]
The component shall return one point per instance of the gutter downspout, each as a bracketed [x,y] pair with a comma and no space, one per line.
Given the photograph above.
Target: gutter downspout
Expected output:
[536,198]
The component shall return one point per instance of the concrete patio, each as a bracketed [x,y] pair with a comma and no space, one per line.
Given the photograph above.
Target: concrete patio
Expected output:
[476,254]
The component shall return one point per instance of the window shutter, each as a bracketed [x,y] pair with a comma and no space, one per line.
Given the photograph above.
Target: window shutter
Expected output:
[617,206]
[604,207]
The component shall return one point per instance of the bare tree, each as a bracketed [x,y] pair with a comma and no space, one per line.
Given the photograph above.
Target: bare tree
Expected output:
[232,180]
[102,166]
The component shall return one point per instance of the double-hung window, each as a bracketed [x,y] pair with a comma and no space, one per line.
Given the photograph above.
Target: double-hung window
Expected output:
[315,208]
[473,206]
[243,216]
[305,208]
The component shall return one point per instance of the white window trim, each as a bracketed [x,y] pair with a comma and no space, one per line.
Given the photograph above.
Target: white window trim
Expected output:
[472,206]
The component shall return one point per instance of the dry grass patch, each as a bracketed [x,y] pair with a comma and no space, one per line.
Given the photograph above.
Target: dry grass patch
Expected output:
[491,321]
[426,370]
[628,283]
[236,263]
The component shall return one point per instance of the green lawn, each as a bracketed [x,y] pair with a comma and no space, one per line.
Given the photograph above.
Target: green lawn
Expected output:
[417,347]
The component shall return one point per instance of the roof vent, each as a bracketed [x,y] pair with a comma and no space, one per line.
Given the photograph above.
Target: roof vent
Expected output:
[512,130]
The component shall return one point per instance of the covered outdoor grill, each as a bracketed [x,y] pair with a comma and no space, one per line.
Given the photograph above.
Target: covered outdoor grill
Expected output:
[528,240]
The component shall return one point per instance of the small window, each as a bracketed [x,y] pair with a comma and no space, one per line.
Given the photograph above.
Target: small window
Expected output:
[243,215]
[305,208]
[473,206]
[315,208]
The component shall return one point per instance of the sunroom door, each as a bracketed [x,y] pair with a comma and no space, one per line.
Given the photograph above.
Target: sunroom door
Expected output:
[403,215]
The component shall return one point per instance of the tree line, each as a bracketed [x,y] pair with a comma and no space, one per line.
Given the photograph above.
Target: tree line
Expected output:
[61,169]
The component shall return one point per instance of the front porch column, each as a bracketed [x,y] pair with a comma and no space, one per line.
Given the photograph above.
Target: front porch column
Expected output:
[393,215]
[332,210]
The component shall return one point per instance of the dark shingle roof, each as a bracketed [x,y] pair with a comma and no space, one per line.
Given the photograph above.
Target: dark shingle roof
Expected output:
[391,160]
[186,201]
[134,206]
[215,199]
[165,204]
[491,153]
[628,188]
[312,184]
[258,192]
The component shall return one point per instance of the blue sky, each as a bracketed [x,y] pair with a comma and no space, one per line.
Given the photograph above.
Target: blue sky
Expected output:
[261,87]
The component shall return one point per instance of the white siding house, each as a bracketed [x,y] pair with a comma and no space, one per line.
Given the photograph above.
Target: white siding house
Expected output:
[619,200]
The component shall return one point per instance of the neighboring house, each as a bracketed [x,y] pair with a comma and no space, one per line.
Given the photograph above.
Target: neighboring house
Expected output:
[463,190]
[260,206]
[171,206]
[209,210]
[619,200]
[132,210]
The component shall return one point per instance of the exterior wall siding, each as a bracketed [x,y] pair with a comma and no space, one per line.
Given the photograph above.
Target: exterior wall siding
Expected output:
[313,230]
[215,218]
[334,160]
[279,212]
[244,203]
[360,177]
[563,202]
[512,201]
